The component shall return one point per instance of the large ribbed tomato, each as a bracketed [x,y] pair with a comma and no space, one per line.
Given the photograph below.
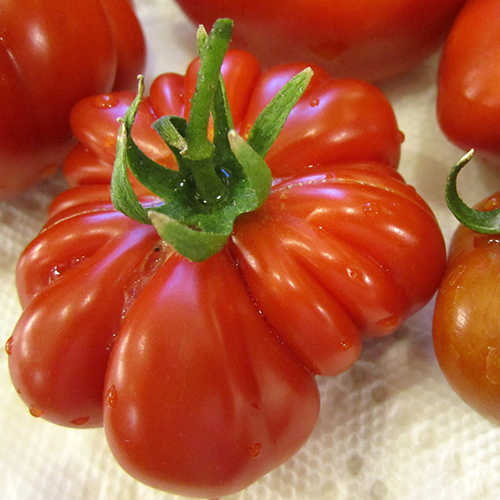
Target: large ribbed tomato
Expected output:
[204,371]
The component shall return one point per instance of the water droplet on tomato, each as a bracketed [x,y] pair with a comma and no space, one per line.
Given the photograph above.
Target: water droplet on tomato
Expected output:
[105,101]
[388,324]
[54,274]
[111,397]
[352,273]
[60,269]
[80,421]
[485,240]
[35,411]
[7,80]
[314,102]
[8,346]
[371,208]
[5,39]
[345,345]
[492,204]
[255,450]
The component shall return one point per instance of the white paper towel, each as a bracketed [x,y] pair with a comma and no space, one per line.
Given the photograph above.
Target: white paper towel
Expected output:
[390,428]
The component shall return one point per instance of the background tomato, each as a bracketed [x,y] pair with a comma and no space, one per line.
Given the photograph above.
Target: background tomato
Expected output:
[468,104]
[467,318]
[367,39]
[52,54]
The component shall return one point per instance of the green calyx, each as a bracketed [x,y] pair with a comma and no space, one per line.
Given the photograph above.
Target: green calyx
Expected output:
[215,181]
[487,222]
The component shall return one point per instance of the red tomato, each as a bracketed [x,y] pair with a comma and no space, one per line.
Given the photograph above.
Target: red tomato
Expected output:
[52,54]
[468,104]
[207,368]
[368,39]
[466,319]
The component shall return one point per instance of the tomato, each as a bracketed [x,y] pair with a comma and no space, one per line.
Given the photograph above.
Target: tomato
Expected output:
[52,54]
[367,39]
[203,372]
[468,104]
[466,323]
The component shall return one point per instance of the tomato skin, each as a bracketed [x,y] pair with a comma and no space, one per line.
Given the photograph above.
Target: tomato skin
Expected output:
[53,54]
[204,372]
[468,104]
[466,324]
[366,39]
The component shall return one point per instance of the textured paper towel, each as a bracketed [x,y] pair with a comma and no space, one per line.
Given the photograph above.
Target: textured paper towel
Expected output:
[390,427]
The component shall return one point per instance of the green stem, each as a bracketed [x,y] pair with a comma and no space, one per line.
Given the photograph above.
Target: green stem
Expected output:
[215,182]
[199,152]
[487,222]
[210,188]
[216,45]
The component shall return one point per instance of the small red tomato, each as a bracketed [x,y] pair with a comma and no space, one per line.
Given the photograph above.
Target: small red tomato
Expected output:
[466,326]
[52,54]
[468,104]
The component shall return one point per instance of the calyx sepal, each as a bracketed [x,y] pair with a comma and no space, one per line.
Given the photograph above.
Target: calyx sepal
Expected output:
[486,222]
[215,181]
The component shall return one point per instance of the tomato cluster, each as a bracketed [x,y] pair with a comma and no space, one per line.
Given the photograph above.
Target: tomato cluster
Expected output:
[203,371]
